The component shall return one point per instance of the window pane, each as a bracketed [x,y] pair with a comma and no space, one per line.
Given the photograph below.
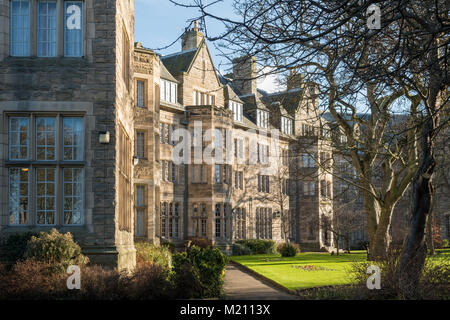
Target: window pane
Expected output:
[167,97]
[18,196]
[140,145]
[217,173]
[140,196]
[46,44]
[73,139]
[162,90]
[45,138]
[166,133]
[73,195]
[173,92]
[18,138]
[140,222]
[20,28]
[73,28]
[140,93]
[45,195]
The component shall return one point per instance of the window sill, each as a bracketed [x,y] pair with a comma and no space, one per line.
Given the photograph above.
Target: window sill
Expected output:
[45,163]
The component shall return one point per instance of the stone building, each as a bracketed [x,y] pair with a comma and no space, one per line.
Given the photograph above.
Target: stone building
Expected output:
[90,126]
[234,196]
[67,129]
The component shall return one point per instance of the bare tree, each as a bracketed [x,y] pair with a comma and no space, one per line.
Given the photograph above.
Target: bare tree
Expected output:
[407,56]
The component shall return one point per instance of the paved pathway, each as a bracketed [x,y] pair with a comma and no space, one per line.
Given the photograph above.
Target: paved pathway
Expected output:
[240,285]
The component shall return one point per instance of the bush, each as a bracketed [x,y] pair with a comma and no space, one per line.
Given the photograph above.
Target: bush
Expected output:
[185,277]
[32,280]
[199,272]
[169,245]
[56,249]
[433,284]
[445,243]
[147,253]
[35,280]
[288,250]
[241,250]
[199,242]
[16,245]
[98,283]
[259,246]
[150,282]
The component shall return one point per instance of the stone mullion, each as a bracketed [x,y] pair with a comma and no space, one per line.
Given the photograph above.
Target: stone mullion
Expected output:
[60,28]
[33,27]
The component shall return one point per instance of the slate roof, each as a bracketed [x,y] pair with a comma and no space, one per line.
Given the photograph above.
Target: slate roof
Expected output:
[179,62]
[165,74]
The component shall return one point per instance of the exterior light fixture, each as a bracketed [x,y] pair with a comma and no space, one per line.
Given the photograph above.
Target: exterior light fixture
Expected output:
[103,137]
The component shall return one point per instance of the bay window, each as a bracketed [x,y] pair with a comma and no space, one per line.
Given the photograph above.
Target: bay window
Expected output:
[45,170]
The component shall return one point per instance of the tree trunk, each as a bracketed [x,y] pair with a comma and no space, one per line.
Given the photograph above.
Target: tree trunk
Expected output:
[430,234]
[380,239]
[337,245]
[413,255]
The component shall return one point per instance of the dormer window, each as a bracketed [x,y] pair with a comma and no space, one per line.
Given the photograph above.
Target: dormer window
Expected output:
[168,91]
[262,118]
[237,109]
[286,125]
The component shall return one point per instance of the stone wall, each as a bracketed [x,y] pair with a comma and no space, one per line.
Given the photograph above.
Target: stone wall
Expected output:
[84,86]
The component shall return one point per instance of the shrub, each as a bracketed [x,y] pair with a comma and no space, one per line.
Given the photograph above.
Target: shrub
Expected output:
[259,246]
[147,253]
[199,272]
[288,250]
[445,243]
[185,277]
[199,242]
[98,283]
[210,263]
[35,280]
[169,245]
[240,249]
[16,245]
[32,280]
[433,284]
[56,249]
[150,281]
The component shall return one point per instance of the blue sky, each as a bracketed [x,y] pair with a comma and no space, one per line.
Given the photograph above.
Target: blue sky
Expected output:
[158,23]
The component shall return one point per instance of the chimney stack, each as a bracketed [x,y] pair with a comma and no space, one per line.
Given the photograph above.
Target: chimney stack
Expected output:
[294,80]
[191,39]
[244,74]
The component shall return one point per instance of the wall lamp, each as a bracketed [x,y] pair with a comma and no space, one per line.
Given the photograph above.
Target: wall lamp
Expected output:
[103,137]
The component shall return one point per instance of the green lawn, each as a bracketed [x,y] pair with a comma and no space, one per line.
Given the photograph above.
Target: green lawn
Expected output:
[289,271]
